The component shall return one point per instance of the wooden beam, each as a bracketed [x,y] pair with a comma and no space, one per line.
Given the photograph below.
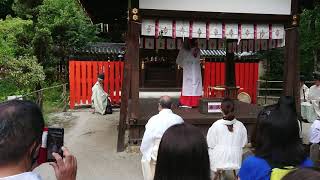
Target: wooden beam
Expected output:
[292,63]
[226,17]
[134,56]
[125,91]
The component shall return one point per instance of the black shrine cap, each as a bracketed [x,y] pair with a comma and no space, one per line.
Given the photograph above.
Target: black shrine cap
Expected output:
[302,77]
[101,76]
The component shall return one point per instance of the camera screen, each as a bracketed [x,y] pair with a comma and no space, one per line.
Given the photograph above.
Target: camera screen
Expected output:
[54,142]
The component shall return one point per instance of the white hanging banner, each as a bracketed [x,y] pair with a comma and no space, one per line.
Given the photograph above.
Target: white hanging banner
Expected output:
[231,31]
[278,31]
[263,31]
[215,30]
[199,30]
[182,29]
[148,27]
[247,31]
[165,26]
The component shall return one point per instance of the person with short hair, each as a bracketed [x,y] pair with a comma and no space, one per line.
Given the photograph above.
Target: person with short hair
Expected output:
[183,154]
[276,142]
[100,99]
[154,130]
[226,138]
[303,174]
[21,125]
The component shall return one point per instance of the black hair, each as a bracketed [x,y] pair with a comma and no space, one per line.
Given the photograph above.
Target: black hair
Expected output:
[165,103]
[227,107]
[276,136]
[21,125]
[183,155]
[189,43]
[303,174]
[101,76]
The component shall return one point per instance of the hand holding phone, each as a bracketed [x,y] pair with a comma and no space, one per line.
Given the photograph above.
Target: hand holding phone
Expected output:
[54,143]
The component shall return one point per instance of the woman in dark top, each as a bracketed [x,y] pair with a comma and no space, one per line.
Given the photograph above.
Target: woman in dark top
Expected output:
[183,155]
[276,142]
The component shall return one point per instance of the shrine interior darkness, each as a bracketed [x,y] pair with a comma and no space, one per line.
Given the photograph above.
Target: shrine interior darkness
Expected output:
[113,13]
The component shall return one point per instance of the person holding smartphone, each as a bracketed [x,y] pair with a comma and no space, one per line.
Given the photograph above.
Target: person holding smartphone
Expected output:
[21,125]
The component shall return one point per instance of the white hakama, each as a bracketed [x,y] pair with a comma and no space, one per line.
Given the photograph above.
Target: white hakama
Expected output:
[99,98]
[225,147]
[189,60]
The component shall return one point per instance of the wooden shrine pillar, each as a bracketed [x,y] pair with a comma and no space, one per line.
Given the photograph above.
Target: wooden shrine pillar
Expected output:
[231,89]
[291,61]
[130,90]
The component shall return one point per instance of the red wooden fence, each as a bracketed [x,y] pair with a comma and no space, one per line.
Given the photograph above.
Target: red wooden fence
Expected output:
[83,75]
[246,77]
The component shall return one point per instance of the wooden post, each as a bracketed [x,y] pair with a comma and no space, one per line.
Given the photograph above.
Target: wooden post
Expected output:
[230,71]
[291,62]
[130,86]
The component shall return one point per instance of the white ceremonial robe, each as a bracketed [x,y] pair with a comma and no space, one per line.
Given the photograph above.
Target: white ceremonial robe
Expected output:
[314,136]
[99,98]
[23,176]
[192,79]
[304,92]
[225,147]
[314,97]
[155,129]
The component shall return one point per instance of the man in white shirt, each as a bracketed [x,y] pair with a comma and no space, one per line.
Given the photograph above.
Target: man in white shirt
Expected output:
[21,125]
[155,128]
[314,94]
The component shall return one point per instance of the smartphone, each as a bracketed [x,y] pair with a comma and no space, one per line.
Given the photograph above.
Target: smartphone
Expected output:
[54,142]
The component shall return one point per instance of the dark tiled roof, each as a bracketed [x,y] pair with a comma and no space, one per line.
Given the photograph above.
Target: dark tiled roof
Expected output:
[103,49]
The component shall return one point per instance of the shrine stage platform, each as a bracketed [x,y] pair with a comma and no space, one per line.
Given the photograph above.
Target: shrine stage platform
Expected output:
[246,113]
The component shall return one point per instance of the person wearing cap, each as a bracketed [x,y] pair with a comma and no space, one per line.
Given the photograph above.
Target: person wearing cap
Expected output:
[100,99]
[304,90]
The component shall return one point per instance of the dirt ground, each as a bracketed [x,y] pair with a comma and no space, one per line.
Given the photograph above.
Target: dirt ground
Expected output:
[92,138]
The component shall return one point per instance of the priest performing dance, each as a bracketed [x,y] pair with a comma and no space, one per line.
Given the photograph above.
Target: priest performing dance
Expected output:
[189,59]
[100,99]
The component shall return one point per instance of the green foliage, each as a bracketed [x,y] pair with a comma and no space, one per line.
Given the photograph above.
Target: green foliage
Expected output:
[14,37]
[69,26]
[310,38]
[24,71]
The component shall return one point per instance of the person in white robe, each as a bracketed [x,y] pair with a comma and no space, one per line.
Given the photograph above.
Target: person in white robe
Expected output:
[314,134]
[226,139]
[100,99]
[154,131]
[189,59]
[304,90]
[314,94]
